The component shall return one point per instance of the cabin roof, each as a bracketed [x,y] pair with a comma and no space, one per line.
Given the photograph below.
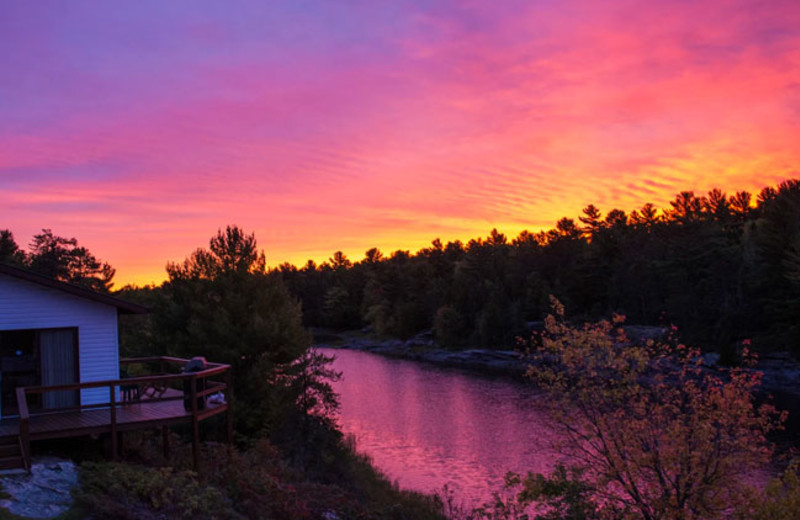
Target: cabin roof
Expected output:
[122,306]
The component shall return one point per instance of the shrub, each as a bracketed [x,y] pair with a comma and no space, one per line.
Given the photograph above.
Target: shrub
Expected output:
[779,501]
[121,491]
[658,434]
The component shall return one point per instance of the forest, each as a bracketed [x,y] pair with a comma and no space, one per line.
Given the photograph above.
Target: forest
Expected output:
[720,267]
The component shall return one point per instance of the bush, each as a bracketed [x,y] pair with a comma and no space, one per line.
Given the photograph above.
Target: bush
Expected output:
[122,491]
[779,501]
[254,483]
[658,435]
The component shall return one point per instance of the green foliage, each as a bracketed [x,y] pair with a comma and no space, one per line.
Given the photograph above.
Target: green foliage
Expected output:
[448,326]
[338,311]
[221,303]
[780,500]
[375,497]
[308,380]
[254,483]
[122,491]
[657,435]
[10,252]
[137,337]
[342,481]
[564,495]
[230,251]
[776,239]
[307,429]
[61,258]
[58,258]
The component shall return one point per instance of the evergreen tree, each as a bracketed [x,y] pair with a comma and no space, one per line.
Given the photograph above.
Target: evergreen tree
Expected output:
[59,258]
[10,252]
[222,304]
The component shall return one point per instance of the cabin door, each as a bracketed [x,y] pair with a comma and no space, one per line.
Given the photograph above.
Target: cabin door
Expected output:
[18,367]
[34,358]
[59,366]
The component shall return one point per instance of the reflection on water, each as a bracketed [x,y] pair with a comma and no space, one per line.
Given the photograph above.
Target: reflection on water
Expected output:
[426,426]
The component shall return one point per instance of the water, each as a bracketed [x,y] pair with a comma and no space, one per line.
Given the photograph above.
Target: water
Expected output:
[427,427]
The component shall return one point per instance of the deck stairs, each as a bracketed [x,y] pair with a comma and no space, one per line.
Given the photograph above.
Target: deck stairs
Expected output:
[11,454]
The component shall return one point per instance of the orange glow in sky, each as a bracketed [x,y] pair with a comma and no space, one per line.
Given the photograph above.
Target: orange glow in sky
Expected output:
[141,128]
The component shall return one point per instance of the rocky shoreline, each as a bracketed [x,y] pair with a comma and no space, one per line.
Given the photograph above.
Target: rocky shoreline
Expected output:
[781,370]
[422,348]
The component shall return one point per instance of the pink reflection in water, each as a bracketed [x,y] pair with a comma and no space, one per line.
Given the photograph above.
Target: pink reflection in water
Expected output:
[427,427]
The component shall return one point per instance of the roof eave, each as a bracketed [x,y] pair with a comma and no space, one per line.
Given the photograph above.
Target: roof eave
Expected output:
[123,307]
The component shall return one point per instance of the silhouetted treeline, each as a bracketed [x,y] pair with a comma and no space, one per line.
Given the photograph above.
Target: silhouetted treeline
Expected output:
[720,267]
[59,258]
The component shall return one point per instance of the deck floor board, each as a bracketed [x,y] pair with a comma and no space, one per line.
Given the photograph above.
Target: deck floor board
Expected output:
[130,416]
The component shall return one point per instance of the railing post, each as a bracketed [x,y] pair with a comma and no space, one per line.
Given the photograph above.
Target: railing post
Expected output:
[113,401]
[195,424]
[229,404]
[24,427]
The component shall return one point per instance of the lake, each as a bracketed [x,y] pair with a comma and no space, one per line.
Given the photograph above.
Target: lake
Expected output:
[427,426]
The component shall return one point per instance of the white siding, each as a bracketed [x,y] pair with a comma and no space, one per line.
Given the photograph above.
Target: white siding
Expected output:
[26,305]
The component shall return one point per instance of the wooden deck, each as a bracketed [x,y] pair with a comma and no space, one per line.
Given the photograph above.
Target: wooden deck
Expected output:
[129,416]
[150,401]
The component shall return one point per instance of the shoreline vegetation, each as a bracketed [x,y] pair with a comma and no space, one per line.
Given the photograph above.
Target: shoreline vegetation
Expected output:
[252,482]
[249,482]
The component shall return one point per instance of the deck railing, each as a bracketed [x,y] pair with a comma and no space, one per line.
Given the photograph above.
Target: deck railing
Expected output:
[150,389]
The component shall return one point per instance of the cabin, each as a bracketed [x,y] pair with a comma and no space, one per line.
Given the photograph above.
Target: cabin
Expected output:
[54,333]
[60,371]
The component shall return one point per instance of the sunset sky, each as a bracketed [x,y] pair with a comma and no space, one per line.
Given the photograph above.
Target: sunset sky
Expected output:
[142,127]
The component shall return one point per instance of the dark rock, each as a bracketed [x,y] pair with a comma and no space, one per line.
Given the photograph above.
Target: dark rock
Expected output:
[42,493]
[645,332]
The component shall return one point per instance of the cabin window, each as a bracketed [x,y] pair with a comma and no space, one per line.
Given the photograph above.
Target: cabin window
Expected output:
[42,357]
